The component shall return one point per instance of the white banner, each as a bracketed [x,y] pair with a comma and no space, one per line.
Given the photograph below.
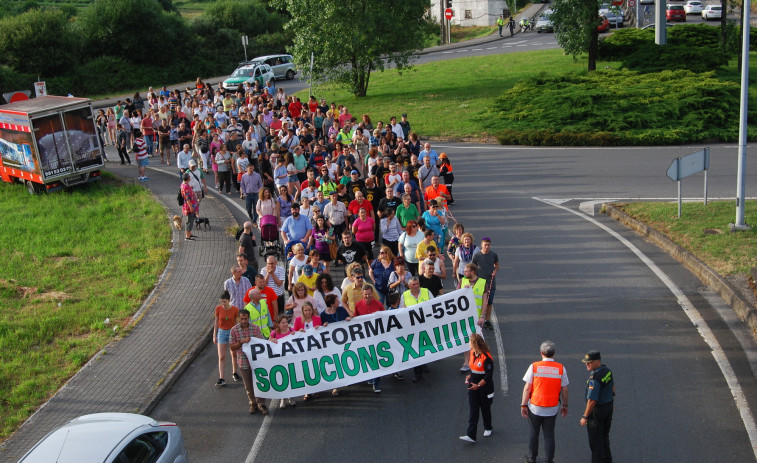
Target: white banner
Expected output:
[366,347]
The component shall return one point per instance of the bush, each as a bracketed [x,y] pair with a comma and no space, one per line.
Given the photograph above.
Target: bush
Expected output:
[607,108]
[39,42]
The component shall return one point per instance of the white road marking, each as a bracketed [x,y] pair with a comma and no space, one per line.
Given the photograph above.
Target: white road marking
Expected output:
[737,327]
[491,48]
[258,443]
[477,49]
[696,319]
[501,355]
[444,52]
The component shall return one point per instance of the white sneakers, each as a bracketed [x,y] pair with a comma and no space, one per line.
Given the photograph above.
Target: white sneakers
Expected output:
[283,403]
[467,439]
[487,432]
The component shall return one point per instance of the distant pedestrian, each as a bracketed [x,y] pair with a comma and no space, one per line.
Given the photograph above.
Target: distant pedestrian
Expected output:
[500,23]
[480,384]
[511,25]
[546,384]
[597,417]
[241,334]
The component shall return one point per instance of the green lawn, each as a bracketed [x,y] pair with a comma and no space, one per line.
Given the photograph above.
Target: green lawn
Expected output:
[703,231]
[448,98]
[71,260]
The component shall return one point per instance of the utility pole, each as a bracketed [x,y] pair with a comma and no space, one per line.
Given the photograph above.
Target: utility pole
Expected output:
[741,174]
[442,20]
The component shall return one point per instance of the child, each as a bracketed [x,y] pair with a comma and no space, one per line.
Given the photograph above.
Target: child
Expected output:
[281,330]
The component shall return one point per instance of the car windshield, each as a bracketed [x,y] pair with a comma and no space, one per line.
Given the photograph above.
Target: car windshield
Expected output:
[675,7]
[242,73]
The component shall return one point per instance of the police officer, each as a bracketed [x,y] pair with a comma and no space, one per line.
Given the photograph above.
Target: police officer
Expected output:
[600,393]
[546,383]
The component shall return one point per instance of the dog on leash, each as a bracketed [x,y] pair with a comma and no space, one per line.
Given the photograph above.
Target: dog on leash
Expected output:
[177,222]
[199,221]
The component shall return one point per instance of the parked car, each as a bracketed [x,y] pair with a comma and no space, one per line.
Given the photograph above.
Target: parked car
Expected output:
[249,73]
[604,24]
[544,24]
[281,65]
[110,437]
[693,7]
[712,12]
[614,16]
[675,13]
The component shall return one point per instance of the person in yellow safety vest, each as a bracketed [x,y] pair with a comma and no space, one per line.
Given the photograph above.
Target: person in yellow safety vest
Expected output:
[414,295]
[471,280]
[500,23]
[546,386]
[259,314]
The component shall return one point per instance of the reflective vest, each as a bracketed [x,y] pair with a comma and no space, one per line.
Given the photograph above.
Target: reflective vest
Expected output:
[547,383]
[476,363]
[410,300]
[260,317]
[479,288]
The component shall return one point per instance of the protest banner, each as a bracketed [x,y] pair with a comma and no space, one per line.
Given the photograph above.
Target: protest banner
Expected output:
[366,347]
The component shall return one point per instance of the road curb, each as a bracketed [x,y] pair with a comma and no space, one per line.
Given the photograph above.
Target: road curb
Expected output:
[744,310]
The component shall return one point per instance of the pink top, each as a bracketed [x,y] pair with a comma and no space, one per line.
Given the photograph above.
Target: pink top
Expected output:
[298,324]
[363,230]
[277,335]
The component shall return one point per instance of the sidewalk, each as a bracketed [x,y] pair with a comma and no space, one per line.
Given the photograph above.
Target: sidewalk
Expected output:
[174,324]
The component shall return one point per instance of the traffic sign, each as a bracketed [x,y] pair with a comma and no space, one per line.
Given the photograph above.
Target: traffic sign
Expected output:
[448,13]
[632,3]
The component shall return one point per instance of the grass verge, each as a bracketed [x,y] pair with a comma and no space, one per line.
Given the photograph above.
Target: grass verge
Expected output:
[461,34]
[704,232]
[71,260]
[518,94]
[448,98]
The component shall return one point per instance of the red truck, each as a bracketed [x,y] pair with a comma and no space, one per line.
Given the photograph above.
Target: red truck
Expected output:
[49,142]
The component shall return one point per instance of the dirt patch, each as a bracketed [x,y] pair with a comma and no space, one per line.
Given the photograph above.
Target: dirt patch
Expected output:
[744,284]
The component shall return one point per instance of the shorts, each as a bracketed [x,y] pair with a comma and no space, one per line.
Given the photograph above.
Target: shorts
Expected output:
[143,162]
[324,256]
[223,336]
[293,178]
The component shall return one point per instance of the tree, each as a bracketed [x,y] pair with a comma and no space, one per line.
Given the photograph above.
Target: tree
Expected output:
[137,30]
[250,17]
[33,42]
[351,38]
[576,24]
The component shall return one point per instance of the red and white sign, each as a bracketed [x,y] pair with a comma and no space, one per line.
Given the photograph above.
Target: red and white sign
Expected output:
[448,13]
[40,88]
[632,3]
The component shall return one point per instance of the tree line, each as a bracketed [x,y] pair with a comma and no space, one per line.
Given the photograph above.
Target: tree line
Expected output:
[115,45]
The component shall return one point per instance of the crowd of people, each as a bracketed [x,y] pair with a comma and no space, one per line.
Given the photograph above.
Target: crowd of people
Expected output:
[340,191]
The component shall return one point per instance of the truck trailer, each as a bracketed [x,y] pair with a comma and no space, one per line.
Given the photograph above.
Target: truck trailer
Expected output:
[49,143]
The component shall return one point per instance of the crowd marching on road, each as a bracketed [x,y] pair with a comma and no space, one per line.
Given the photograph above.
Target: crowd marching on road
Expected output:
[338,190]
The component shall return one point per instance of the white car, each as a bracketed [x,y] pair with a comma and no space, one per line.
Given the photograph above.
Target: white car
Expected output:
[712,12]
[281,65]
[693,7]
[544,24]
[110,438]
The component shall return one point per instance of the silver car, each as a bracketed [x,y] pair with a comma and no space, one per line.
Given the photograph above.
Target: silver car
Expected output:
[281,65]
[693,7]
[110,437]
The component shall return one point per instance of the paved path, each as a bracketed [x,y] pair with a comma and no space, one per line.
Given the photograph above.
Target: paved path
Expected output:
[175,322]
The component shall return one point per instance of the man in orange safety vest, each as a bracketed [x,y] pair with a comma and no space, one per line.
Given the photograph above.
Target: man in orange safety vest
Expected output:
[546,386]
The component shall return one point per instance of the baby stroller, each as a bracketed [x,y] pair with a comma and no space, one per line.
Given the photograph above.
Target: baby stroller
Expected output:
[269,236]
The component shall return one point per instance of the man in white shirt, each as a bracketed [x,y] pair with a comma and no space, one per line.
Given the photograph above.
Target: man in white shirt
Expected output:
[183,158]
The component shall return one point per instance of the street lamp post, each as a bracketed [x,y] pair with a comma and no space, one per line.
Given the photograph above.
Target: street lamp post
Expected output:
[741,173]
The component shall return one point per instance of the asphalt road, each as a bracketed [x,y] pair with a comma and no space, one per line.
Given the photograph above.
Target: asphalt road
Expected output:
[565,276]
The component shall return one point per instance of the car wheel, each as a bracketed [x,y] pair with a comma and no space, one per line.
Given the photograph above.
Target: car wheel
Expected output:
[290,75]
